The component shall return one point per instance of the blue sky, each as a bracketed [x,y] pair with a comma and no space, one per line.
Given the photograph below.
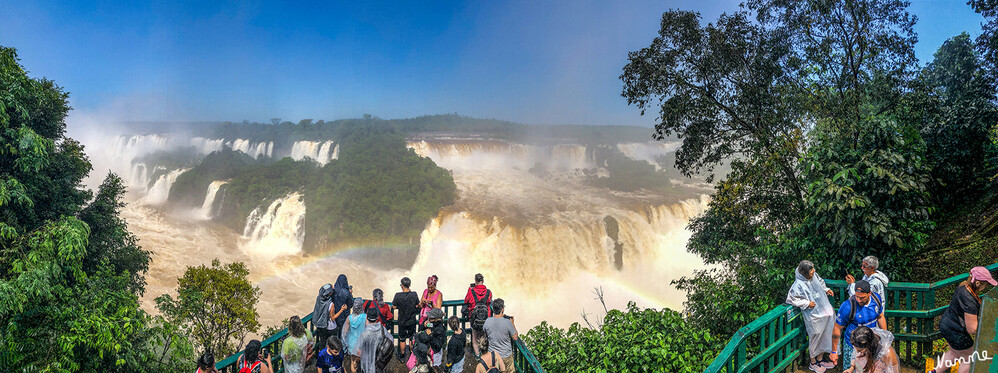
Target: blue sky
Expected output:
[542,62]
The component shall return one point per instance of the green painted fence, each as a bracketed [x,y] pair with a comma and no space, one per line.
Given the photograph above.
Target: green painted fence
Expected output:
[777,341]
[525,360]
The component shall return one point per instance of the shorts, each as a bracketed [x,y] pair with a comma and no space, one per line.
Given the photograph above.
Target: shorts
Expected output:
[956,335]
[406,332]
[438,358]
[458,367]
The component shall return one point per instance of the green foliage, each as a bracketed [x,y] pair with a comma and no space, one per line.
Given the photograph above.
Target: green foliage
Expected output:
[216,305]
[377,189]
[259,186]
[110,241]
[633,340]
[192,185]
[960,115]
[869,198]
[629,175]
[69,272]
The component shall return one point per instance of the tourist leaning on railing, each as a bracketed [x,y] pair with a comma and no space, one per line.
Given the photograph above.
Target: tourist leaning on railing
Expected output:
[296,347]
[863,309]
[810,294]
[873,352]
[252,359]
[960,320]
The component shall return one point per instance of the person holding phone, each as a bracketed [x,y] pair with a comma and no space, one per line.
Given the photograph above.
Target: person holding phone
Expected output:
[252,359]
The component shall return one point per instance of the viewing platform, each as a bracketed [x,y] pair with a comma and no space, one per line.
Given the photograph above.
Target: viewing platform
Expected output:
[525,360]
[777,341]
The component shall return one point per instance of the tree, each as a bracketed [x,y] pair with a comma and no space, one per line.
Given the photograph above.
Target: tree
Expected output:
[68,274]
[216,305]
[959,97]
[110,241]
[720,88]
[852,57]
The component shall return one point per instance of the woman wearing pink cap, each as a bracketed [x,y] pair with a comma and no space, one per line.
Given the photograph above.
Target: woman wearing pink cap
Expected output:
[959,321]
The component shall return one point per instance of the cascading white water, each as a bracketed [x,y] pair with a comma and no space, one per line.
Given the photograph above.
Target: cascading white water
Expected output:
[318,151]
[492,154]
[207,208]
[648,151]
[138,177]
[206,146]
[160,191]
[278,230]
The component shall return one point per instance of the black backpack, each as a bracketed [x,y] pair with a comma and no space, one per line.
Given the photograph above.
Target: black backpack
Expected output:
[385,352]
[853,305]
[494,368]
[480,313]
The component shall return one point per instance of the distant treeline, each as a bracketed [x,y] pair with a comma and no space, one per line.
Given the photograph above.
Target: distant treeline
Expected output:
[284,133]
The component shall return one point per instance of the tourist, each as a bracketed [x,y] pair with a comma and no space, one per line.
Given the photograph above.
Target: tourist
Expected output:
[330,359]
[421,348]
[487,362]
[878,280]
[206,363]
[352,329]
[431,299]
[343,299]
[407,303]
[385,311]
[863,309]
[960,320]
[810,294]
[320,316]
[252,359]
[477,293]
[297,346]
[875,345]
[455,346]
[370,341]
[435,322]
[501,333]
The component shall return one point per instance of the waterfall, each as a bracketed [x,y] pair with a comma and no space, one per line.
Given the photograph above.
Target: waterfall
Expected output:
[138,176]
[648,151]
[278,230]
[318,151]
[207,208]
[160,191]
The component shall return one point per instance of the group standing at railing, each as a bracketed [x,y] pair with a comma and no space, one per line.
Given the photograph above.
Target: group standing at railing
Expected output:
[350,331]
[866,346]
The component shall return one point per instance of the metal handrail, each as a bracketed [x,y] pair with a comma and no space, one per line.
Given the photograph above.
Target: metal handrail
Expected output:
[911,318]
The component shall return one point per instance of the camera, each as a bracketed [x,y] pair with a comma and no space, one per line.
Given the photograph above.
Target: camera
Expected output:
[471,285]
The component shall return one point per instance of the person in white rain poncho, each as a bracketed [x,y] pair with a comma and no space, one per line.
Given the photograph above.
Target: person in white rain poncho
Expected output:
[810,294]
[874,353]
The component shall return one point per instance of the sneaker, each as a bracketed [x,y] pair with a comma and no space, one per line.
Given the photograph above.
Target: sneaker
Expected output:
[826,364]
[817,367]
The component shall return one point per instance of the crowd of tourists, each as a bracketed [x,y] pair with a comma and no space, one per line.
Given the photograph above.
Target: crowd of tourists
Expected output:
[355,334]
[859,323]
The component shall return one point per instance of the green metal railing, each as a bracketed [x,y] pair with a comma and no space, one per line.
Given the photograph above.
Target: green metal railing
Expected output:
[524,359]
[778,340]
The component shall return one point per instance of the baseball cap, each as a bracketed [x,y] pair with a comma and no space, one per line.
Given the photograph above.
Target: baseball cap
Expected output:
[435,313]
[863,286]
[372,314]
[982,274]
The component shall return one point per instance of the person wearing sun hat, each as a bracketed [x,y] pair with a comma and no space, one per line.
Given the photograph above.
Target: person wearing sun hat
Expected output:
[960,320]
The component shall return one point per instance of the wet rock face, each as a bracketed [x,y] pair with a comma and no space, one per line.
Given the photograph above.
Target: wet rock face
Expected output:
[613,231]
